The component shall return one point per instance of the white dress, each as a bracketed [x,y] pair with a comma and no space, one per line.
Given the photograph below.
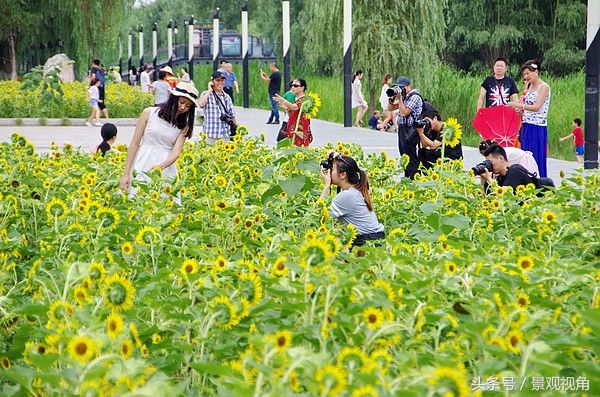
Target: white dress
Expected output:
[157,143]
[357,99]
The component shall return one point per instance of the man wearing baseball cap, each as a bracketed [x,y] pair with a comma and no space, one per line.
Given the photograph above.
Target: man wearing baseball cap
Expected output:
[219,115]
[409,104]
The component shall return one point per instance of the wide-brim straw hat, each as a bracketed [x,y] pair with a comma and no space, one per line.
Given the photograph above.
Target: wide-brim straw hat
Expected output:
[167,69]
[186,90]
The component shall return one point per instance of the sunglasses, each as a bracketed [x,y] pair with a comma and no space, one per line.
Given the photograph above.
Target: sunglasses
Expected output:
[296,85]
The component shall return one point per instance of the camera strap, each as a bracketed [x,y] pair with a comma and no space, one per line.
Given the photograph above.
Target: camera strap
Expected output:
[221,105]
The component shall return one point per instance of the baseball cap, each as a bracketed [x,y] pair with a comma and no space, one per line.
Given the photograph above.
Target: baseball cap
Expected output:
[402,81]
[217,75]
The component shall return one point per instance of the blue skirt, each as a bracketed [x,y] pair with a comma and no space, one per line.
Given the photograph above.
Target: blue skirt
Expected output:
[534,138]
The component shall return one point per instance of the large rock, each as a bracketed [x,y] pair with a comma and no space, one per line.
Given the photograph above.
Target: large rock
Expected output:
[67,72]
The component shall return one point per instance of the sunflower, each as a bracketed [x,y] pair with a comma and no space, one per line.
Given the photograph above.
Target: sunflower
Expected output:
[279,268]
[59,311]
[219,205]
[96,271]
[126,349]
[118,292]
[229,318]
[373,317]
[220,263]
[114,325]
[522,301]
[351,357]
[256,287]
[56,208]
[382,359]
[189,267]
[127,248]
[109,218]
[220,181]
[450,267]
[5,362]
[549,217]
[146,236]
[364,391]
[282,340]
[525,263]
[81,295]
[449,380]
[156,339]
[331,379]
[514,340]
[82,348]
[315,252]
[311,104]
[452,132]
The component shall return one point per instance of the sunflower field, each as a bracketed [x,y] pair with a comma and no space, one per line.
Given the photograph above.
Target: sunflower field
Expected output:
[122,100]
[234,281]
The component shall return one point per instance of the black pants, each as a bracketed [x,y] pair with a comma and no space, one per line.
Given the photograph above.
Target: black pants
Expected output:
[408,138]
[101,105]
[229,91]
[428,157]
[361,239]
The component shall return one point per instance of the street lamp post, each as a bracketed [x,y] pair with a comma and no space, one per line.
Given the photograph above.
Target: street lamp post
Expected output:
[154,50]
[129,53]
[216,41]
[185,23]
[170,42]
[592,84]
[141,44]
[245,71]
[347,63]
[175,32]
[191,48]
[286,42]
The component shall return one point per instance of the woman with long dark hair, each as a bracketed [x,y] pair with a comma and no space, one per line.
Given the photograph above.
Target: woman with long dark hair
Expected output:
[358,101]
[298,127]
[108,132]
[353,203]
[160,134]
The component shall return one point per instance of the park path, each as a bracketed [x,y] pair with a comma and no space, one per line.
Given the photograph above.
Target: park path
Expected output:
[255,119]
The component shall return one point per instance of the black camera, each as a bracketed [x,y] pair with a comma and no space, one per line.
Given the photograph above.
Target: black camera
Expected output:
[485,165]
[327,164]
[422,123]
[395,91]
[226,118]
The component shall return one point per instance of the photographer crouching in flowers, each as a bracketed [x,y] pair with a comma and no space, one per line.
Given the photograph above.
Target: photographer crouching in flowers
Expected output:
[433,137]
[506,175]
[352,204]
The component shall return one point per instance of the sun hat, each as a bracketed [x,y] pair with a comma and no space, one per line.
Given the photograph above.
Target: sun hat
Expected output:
[403,81]
[186,90]
[167,69]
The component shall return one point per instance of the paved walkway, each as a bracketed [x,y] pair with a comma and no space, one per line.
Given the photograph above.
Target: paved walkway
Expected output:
[323,131]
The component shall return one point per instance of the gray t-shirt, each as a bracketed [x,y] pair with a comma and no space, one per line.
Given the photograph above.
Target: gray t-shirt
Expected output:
[162,90]
[349,206]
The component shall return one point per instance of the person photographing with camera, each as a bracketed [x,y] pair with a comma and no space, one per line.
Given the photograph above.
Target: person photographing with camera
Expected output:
[219,116]
[496,163]
[409,104]
[430,127]
[352,204]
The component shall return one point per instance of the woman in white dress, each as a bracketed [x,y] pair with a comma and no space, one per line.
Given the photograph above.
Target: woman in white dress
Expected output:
[358,101]
[160,134]
[384,100]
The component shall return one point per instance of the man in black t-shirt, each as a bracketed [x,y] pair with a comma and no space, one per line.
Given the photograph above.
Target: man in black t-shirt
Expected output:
[513,175]
[431,141]
[274,81]
[498,89]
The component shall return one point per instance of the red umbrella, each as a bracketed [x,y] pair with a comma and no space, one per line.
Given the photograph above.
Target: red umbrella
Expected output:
[500,123]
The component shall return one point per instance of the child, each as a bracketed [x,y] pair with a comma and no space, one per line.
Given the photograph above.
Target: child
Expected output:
[577,135]
[109,135]
[94,98]
[374,120]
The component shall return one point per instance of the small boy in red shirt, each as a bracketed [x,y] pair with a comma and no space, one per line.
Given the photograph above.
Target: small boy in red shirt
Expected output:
[577,135]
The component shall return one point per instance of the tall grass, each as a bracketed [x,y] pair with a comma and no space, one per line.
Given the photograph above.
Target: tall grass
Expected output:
[452,92]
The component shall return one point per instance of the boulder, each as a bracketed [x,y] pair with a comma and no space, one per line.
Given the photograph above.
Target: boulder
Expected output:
[67,72]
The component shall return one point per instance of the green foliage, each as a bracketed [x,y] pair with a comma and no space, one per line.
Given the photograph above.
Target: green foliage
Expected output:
[48,86]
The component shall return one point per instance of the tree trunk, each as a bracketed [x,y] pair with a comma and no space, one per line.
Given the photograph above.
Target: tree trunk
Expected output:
[12,50]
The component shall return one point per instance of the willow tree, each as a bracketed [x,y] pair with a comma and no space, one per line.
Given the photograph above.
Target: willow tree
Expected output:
[389,36]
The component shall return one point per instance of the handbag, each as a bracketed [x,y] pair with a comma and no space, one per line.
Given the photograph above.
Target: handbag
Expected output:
[282,132]
[226,117]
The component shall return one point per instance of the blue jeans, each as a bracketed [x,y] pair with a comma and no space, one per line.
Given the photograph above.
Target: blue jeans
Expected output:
[274,109]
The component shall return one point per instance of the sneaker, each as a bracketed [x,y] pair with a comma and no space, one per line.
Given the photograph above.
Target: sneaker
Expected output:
[98,124]
[88,123]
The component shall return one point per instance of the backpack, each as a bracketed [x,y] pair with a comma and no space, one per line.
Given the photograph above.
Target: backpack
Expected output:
[427,107]
[542,183]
